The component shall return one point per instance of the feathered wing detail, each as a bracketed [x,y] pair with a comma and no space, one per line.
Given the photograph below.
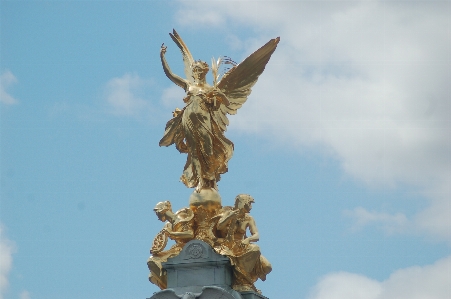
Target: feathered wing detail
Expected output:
[237,83]
[187,57]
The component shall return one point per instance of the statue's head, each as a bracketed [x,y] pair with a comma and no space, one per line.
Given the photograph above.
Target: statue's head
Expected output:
[199,69]
[161,208]
[244,201]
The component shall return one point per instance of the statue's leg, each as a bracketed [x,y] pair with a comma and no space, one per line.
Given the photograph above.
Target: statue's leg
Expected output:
[157,275]
[265,267]
[242,282]
[161,282]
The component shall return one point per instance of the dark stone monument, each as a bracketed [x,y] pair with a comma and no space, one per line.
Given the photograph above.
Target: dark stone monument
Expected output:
[199,272]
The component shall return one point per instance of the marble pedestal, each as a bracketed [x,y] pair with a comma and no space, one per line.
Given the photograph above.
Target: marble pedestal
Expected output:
[199,272]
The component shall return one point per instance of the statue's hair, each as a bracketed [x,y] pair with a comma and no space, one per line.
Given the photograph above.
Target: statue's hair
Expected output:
[201,64]
[243,198]
[162,206]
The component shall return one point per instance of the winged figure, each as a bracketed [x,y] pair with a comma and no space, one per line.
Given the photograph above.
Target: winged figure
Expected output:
[198,129]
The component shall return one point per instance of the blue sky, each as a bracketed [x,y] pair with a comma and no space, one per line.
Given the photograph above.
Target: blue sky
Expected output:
[344,143]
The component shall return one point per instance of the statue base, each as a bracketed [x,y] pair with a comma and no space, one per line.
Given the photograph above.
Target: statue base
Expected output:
[252,295]
[199,272]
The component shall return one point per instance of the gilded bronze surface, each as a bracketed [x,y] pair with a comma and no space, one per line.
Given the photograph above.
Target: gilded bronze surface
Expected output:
[223,228]
[179,227]
[247,261]
[198,129]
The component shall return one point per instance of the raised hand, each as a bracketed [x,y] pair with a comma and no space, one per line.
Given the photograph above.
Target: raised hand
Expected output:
[163,49]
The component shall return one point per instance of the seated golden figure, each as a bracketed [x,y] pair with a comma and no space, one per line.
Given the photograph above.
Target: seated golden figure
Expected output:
[178,228]
[247,261]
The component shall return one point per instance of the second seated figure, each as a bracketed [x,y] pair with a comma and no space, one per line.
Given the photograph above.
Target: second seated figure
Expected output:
[247,261]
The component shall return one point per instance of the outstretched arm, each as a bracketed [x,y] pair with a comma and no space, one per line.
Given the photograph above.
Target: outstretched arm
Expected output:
[173,77]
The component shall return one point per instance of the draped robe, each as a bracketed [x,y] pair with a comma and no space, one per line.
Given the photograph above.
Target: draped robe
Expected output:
[194,131]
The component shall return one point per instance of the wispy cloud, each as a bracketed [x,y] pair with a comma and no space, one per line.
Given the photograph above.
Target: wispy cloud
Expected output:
[434,218]
[431,281]
[367,82]
[391,223]
[125,96]
[172,97]
[6,79]
[7,248]
[192,17]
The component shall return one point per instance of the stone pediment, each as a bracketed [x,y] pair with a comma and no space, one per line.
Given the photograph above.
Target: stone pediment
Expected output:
[199,266]
[196,252]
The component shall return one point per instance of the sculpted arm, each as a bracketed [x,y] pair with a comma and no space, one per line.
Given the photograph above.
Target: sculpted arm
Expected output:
[185,234]
[224,220]
[173,77]
[254,231]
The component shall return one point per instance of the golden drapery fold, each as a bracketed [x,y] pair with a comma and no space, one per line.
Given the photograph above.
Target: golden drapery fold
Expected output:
[195,132]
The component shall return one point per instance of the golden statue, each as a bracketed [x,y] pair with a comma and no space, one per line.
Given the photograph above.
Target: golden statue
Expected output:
[198,129]
[178,228]
[247,261]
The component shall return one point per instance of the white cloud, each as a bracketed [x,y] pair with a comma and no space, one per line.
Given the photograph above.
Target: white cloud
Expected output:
[7,79]
[391,223]
[6,260]
[346,285]
[124,95]
[436,218]
[428,282]
[234,42]
[172,97]
[24,295]
[192,17]
[366,81]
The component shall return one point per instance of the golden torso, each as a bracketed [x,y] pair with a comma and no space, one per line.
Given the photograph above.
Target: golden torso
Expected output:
[241,226]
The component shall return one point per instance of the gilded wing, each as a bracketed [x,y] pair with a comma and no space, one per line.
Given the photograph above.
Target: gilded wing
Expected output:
[187,57]
[237,83]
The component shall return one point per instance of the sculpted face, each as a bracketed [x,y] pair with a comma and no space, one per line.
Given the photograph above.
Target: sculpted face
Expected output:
[244,201]
[161,215]
[248,206]
[161,208]
[200,70]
